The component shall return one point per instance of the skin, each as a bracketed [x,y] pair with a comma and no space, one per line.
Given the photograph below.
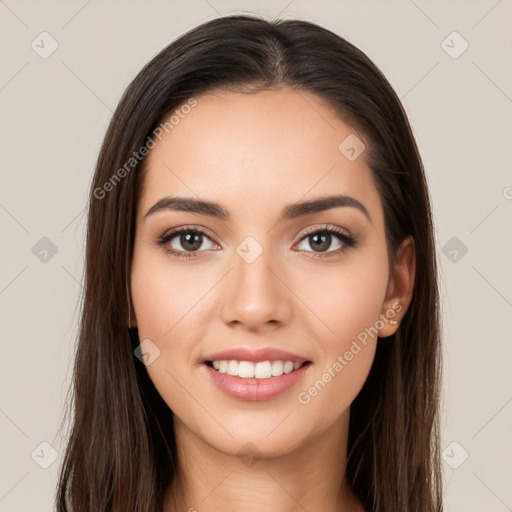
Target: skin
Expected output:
[254,154]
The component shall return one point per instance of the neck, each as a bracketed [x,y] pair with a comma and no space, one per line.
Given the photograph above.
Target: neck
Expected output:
[311,478]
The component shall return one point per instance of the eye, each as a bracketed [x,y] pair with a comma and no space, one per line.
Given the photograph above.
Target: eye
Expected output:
[184,242]
[321,239]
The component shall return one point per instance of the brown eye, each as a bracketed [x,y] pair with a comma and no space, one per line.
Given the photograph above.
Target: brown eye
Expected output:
[321,240]
[190,241]
[185,242]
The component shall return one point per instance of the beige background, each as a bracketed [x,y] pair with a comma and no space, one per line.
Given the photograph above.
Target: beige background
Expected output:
[54,113]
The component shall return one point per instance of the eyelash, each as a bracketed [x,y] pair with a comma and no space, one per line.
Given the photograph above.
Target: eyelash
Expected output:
[347,240]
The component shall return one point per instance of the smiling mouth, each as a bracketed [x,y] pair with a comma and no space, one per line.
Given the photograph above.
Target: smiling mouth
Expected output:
[255,370]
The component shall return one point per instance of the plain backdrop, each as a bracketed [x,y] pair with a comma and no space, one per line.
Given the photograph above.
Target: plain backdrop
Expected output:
[450,63]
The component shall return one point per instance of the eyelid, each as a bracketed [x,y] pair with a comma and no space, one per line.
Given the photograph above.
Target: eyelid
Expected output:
[325,227]
[186,229]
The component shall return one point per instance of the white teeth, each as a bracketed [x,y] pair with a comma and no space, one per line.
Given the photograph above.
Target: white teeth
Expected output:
[288,367]
[260,370]
[232,367]
[246,369]
[277,368]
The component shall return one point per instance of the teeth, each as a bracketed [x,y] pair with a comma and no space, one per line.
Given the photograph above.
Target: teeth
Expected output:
[260,370]
[232,368]
[277,368]
[247,370]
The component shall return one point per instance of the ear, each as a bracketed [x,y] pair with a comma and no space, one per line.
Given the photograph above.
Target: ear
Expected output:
[400,288]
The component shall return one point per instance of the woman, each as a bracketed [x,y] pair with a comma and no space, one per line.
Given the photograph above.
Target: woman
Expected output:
[260,325]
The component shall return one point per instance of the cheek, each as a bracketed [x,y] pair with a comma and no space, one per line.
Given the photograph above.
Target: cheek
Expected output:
[334,386]
[346,297]
[165,296]
[349,303]
[169,302]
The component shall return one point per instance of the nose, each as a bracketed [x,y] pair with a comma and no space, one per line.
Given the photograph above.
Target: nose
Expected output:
[255,295]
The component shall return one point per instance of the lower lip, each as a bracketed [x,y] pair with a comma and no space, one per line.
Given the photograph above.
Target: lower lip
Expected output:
[255,389]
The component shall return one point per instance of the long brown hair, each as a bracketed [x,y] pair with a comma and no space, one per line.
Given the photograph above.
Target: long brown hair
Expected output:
[121,453]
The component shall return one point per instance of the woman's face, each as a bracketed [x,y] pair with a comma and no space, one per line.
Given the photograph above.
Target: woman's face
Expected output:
[264,275]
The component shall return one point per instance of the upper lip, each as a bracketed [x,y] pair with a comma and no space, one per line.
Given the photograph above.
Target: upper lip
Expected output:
[256,355]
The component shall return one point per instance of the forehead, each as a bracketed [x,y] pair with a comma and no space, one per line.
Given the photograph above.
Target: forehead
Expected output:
[249,150]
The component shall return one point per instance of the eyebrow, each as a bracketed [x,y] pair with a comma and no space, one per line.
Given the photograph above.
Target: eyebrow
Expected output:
[289,212]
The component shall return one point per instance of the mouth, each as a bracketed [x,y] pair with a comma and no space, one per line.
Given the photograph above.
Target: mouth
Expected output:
[254,380]
[256,369]
[247,373]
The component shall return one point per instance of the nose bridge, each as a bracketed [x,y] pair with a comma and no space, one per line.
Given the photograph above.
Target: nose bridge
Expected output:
[255,296]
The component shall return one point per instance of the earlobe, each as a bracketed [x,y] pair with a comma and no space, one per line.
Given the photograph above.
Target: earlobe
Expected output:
[400,288]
